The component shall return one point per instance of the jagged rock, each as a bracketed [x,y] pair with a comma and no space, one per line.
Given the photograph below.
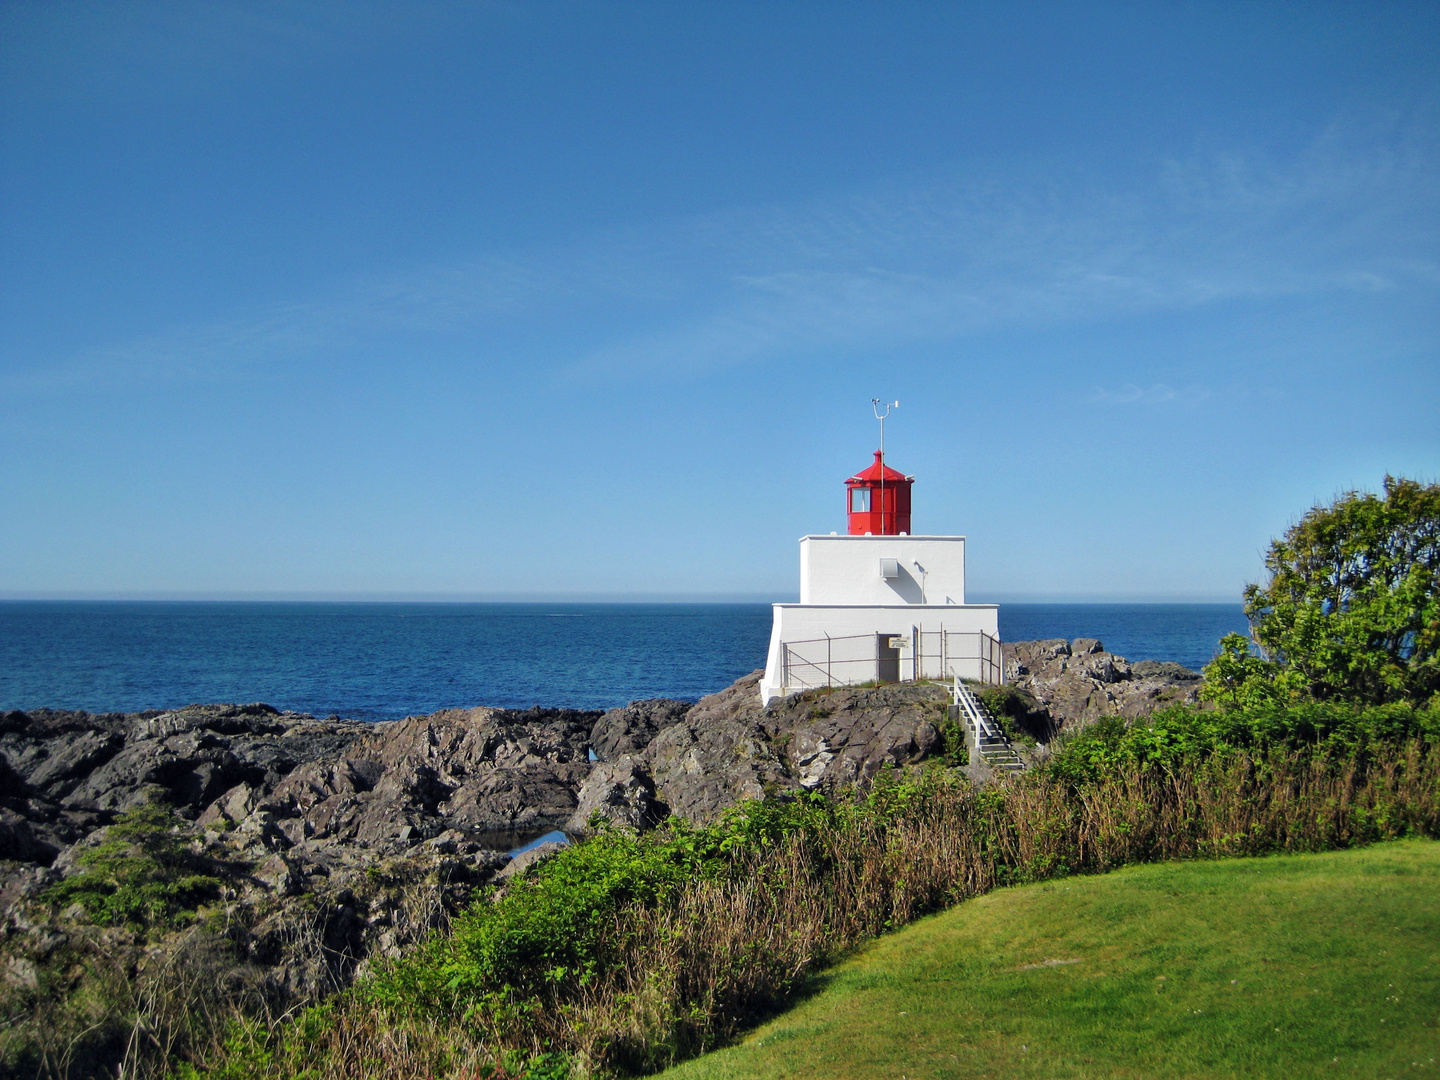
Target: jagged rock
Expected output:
[1078,682]
[506,806]
[526,859]
[237,804]
[302,911]
[621,791]
[191,768]
[728,747]
[280,875]
[19,842]
[64,763]
[849,734]
[631,729]
[13,720]
[498,776]
[1163,669]
[718,755]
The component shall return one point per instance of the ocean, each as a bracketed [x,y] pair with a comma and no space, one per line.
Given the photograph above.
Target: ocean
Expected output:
[383,661]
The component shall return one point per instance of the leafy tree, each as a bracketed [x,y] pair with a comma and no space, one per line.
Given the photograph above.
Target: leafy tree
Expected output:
[1352,608]
[1239,679]
[142,874]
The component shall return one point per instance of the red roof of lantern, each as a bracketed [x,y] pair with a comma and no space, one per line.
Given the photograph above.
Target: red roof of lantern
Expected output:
[877,472]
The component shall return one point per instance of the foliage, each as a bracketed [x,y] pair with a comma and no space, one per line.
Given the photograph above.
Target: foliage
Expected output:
[1239,679]
[628,952]
[1170,738]
[554,925]
[1351,611]
[143,874]
[1015,711]
[97,1004]
[955,747]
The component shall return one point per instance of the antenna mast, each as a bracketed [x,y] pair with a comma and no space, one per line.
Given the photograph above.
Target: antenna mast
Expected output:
[875,404]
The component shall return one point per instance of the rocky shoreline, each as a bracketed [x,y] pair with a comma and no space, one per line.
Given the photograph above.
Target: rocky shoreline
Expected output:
[340,841]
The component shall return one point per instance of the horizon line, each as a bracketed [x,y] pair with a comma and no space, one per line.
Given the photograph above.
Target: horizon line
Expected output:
[679,597]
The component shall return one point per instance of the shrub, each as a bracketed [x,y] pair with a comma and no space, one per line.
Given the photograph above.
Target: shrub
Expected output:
[553,926]
[1019,715]
[143,874]
[1169,737]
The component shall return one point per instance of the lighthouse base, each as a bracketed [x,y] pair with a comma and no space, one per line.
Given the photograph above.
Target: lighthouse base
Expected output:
[818,645]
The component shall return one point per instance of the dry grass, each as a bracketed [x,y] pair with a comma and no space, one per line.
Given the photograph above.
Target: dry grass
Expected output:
[79,1001]
[722,953]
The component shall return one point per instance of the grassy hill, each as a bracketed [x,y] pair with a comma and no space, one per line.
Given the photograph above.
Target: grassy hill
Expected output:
[1312,965]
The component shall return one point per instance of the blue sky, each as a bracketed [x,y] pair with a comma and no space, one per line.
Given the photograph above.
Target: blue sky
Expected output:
[590,300]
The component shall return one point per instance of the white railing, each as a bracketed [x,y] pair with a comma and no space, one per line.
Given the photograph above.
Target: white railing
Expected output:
[860,658]
[978,719]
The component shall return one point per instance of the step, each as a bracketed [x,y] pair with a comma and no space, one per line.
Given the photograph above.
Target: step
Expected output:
[1007,760]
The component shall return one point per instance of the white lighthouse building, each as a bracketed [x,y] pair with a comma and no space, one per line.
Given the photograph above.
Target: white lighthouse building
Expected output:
[879,604]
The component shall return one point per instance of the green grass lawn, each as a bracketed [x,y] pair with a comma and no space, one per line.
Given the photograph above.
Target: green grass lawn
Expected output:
[1296,966]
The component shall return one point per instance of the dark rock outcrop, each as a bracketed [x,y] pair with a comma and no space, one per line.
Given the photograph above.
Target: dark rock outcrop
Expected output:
[631,729]
[1077,681]
[336,840]
[717,755]
[621,791]
[728,747]
[495,776]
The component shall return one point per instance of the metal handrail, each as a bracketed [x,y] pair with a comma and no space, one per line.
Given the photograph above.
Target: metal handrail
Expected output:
[978,717]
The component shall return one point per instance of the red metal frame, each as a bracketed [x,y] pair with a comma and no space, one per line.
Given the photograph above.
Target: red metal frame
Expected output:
[889,512]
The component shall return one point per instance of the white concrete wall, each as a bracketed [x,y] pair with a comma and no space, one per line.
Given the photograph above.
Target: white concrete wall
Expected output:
[808,622]
[846,570]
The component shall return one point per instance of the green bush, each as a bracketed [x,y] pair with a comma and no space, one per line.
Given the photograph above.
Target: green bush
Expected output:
[1168,736]
[550,926]
[1019,715]
[143,874]
[956,749]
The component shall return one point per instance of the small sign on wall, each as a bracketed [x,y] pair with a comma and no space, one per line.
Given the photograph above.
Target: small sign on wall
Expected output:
[898,643]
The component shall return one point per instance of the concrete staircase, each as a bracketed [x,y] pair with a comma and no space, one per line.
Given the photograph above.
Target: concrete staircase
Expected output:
[986,737]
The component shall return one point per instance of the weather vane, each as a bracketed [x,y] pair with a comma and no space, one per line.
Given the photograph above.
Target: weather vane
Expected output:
[876,403]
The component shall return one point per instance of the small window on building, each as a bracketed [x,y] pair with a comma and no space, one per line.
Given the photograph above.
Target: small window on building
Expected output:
[859,500]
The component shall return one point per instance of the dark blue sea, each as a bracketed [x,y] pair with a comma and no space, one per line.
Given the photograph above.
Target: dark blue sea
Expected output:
[382,661]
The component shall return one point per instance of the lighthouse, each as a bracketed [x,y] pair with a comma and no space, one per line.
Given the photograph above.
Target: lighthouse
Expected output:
[879,603]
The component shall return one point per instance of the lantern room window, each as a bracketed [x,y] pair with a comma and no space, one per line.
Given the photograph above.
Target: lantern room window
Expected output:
[859,500]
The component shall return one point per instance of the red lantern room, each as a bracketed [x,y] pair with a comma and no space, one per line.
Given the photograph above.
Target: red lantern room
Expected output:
[877,500]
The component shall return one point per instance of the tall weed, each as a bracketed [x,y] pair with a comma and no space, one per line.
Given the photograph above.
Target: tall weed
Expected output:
[629,952]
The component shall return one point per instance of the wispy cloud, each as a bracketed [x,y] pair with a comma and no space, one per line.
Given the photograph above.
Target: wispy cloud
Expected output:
[907,261]
[961,256]
[1156,394]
